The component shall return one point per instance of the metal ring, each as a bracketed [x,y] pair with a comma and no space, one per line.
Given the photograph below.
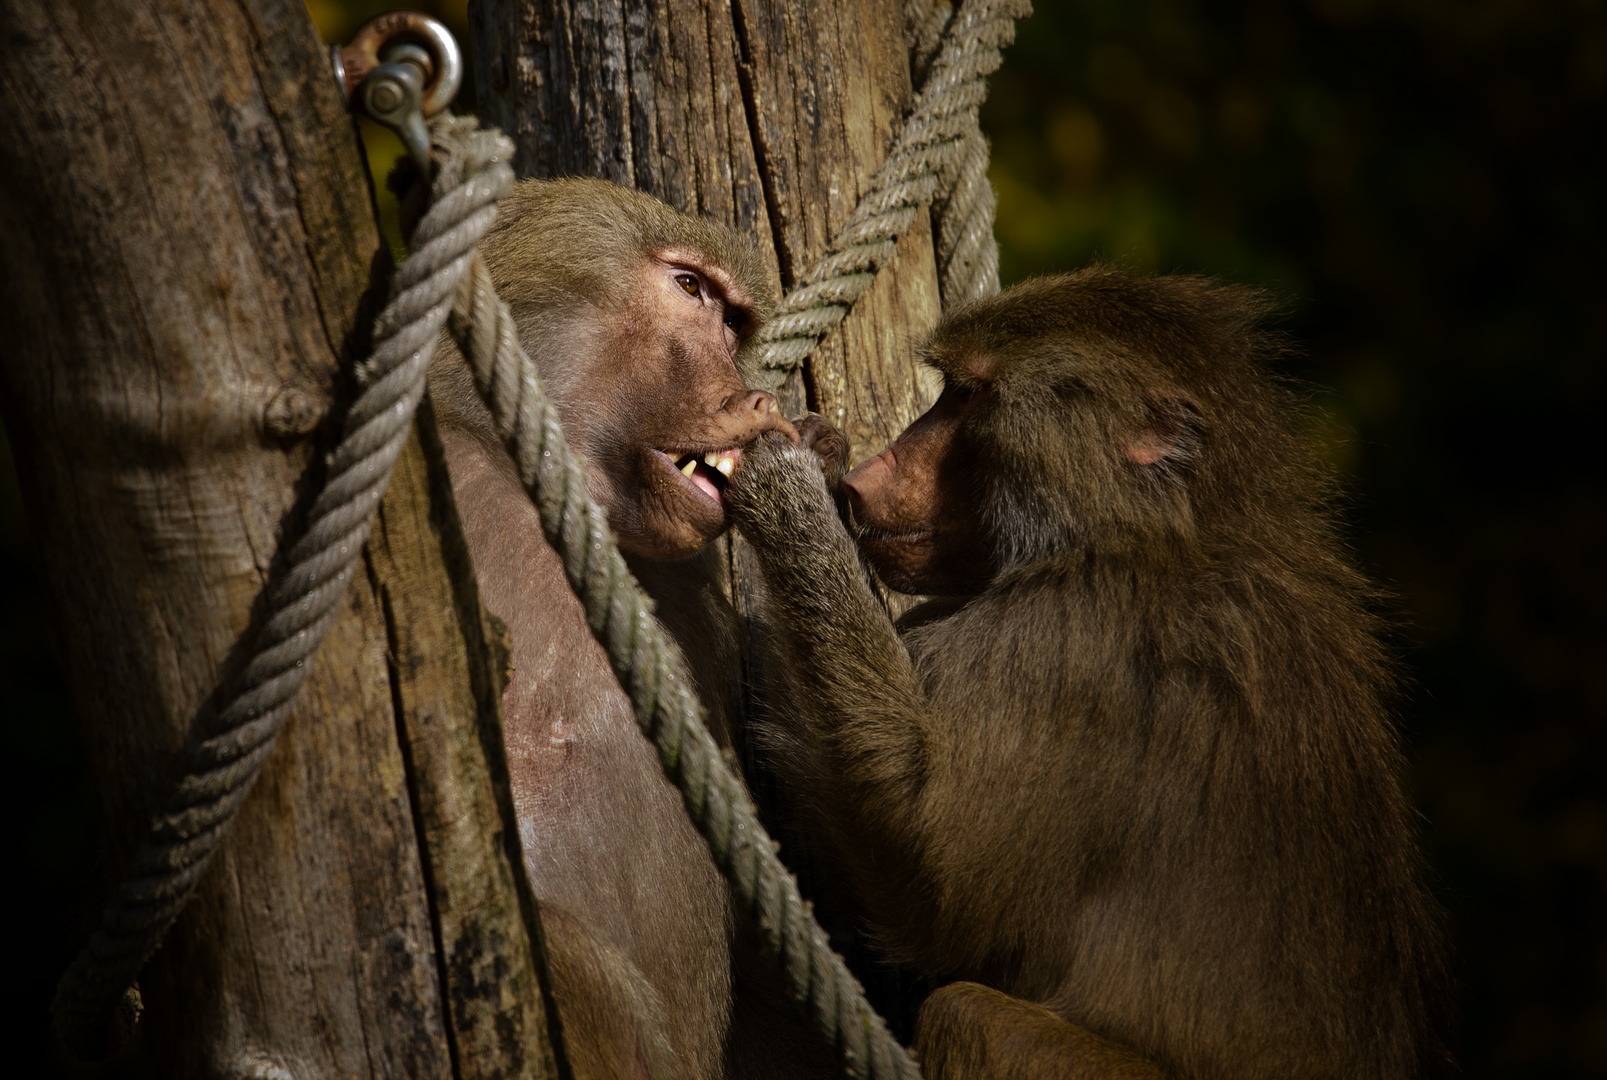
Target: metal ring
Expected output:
[353,62]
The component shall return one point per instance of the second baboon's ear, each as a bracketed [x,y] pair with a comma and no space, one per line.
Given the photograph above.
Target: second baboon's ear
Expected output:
[1169,434]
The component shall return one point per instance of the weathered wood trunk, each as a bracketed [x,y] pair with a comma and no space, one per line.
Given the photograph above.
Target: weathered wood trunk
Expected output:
[768,115]
[189,267]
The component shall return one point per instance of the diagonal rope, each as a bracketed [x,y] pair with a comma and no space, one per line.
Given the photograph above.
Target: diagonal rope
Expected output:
[95,1005]
[650,668]
[940,159]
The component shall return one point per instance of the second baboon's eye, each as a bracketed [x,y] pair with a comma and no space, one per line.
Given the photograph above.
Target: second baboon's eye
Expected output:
[689,282]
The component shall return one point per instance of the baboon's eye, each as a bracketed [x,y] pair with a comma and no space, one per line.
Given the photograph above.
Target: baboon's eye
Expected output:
[689,282]
[736,318]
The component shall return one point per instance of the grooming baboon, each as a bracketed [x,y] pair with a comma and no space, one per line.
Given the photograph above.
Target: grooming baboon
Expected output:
[1134,764]
[633,314]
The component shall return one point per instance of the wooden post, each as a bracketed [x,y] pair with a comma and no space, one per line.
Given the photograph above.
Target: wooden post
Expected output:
[190,267]
[769,115]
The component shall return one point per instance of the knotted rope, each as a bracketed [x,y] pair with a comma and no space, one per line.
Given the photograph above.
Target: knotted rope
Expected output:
[95,1006]
[940,159]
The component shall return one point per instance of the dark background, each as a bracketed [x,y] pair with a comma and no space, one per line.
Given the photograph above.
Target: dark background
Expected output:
[1421,185]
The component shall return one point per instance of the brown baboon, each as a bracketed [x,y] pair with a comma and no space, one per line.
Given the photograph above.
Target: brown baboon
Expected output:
[633,314]
[1133,764]
[969,1030]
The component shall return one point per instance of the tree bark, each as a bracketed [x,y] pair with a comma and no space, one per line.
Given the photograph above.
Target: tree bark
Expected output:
[189,267]
[768,115]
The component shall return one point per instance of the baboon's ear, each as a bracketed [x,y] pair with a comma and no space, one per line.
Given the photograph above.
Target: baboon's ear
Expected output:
[1170,432]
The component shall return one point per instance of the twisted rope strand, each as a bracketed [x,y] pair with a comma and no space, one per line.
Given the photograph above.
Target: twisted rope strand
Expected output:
[303,602]
[940,159]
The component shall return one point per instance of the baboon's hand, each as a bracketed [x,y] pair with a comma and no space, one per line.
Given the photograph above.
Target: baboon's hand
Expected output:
[830,446]
[779,489]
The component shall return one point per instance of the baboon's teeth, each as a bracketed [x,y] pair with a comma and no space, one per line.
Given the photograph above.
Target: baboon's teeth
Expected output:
[722,460]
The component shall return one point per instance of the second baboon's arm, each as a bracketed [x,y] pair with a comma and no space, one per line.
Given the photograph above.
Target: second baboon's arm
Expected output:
[859,695]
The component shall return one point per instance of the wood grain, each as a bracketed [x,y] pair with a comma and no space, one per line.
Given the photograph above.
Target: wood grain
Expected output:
[189,269]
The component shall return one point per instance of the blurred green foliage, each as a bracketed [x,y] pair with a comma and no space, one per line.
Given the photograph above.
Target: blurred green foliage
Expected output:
[1420,184]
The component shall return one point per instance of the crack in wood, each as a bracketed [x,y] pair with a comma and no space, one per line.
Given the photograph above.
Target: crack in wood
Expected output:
[785,262]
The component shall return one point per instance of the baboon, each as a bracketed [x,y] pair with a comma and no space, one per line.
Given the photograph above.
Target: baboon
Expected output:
[633,314]
[1133,762]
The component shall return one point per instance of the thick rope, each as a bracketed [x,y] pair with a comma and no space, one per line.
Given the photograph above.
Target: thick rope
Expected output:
[96,1005]
[964,206]
[925,23]
[652,672]
[940,159]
